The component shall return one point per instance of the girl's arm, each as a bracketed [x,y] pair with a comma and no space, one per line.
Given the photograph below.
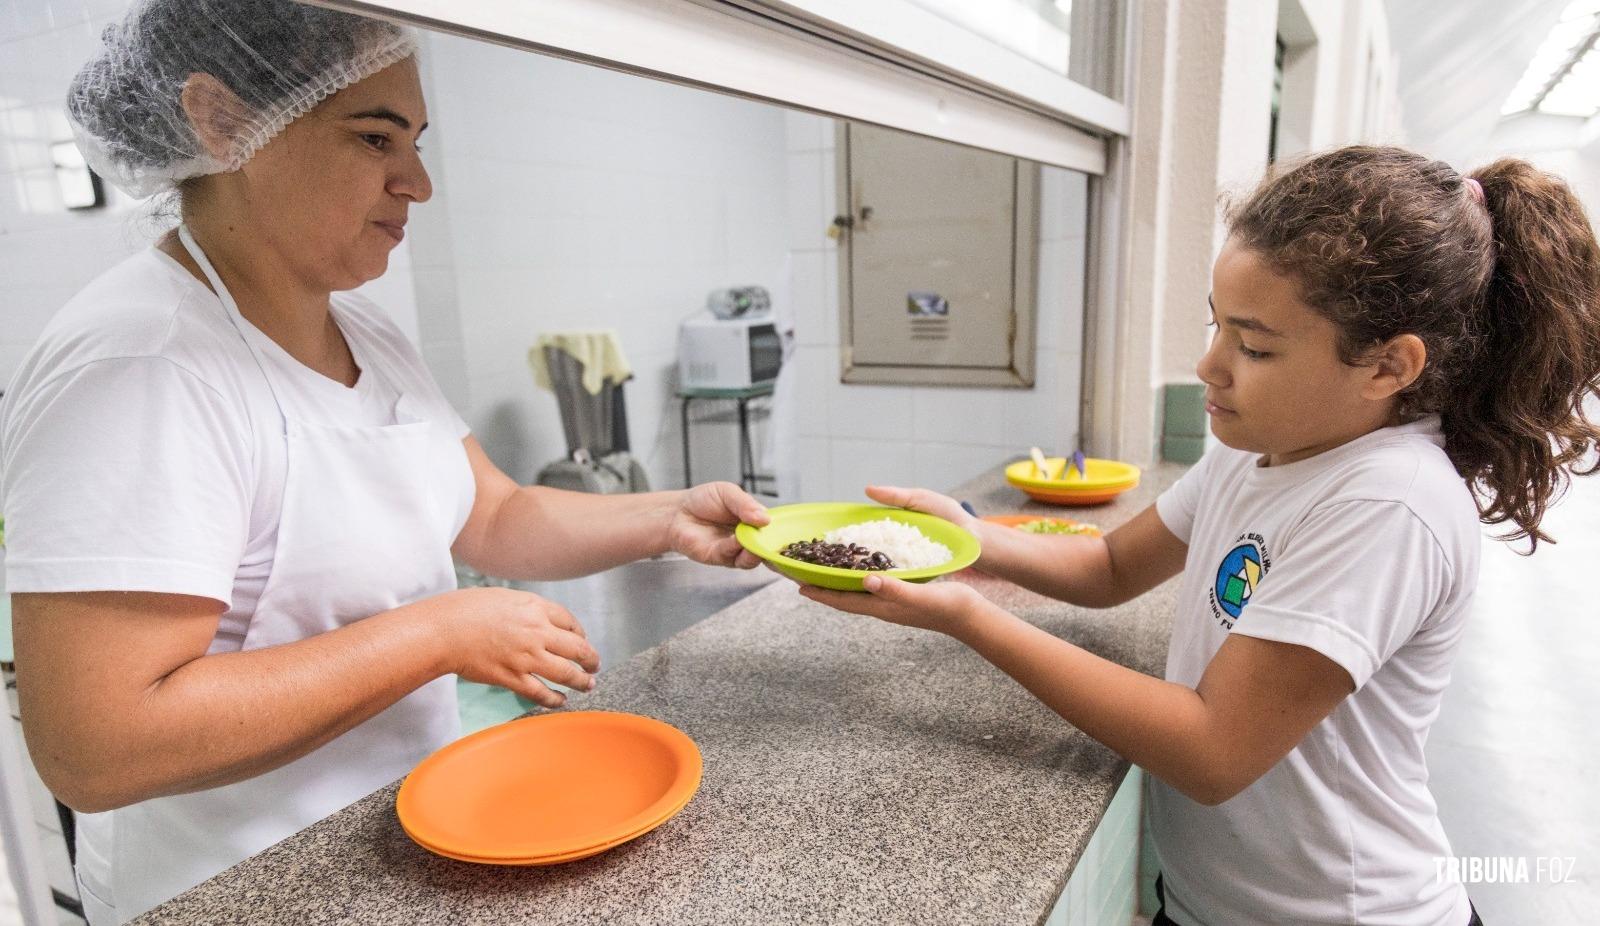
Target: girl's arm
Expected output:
[1094,572]
[1255,702]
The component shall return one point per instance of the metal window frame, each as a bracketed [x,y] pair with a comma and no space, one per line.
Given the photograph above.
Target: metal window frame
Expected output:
[729,48]
[919,39]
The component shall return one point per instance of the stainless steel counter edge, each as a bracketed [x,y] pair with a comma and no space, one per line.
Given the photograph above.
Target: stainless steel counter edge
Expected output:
[855,772]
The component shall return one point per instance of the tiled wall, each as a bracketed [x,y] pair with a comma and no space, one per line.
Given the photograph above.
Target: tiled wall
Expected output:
[1104,887]
[48,253]
[931,436]
[576,197]
[605,200]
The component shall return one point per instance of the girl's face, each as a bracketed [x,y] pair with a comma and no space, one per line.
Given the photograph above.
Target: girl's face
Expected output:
[1274,382]
[331,193]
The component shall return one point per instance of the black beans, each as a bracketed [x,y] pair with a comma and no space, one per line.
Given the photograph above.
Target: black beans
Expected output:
[839,555]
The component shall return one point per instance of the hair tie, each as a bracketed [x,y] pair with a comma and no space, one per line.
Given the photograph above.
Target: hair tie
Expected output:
[1474,187]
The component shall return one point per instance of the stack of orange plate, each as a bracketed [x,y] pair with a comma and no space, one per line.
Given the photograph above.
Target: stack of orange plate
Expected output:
[1102,481]
[550,788]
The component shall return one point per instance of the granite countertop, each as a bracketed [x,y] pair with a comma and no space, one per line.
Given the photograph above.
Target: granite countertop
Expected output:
[855,772]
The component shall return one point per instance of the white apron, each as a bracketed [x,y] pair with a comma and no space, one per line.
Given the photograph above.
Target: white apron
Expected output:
[368,518]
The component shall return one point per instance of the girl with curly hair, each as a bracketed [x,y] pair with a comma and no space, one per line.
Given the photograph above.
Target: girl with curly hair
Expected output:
[1401,352]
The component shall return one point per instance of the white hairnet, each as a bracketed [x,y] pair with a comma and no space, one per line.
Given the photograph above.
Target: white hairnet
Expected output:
[277,57]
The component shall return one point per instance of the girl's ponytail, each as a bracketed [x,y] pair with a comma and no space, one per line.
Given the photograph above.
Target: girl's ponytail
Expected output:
[1499,275]
[1517,421]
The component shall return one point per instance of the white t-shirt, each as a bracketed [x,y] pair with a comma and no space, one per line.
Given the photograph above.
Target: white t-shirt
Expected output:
[1368,554]
[141,448]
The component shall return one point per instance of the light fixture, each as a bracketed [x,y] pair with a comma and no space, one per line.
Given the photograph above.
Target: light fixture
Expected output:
[80,187]
[1563,77]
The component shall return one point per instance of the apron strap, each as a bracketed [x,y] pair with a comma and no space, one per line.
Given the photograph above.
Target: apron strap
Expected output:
[231,308]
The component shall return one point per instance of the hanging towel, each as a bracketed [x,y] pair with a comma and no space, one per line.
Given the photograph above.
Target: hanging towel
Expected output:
[600,352]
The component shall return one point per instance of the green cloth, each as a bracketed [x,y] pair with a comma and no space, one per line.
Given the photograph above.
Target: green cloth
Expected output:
[599,351]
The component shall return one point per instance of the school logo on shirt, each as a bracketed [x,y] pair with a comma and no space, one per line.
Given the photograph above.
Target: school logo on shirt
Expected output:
[1237,577]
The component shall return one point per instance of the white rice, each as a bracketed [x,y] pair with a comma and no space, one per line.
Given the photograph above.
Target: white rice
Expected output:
[906,546]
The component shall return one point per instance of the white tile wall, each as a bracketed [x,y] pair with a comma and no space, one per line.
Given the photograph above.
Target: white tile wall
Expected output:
[46,252]
[1102,888]
[601,201]
[927,435]
[881,413]
[855,463]
[813,280]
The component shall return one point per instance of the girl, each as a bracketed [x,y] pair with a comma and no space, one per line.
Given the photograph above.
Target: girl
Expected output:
[1400,352]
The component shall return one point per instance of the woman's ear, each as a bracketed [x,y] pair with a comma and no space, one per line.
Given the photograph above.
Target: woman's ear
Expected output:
[216,114]
[1396,365]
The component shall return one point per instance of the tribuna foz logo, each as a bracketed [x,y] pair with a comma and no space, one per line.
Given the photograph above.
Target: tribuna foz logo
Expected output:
[1504,869]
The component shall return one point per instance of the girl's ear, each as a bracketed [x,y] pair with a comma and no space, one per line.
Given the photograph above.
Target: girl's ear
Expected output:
[1396,365]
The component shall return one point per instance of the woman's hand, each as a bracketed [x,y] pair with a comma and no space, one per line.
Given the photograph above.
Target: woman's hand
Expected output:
[926,501]
[948,607]
[511,638]
[702,526]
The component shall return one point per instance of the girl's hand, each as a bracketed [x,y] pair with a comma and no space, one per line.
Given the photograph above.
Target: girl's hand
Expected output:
[928,502]
[512,638]
[948,607]
[702,526]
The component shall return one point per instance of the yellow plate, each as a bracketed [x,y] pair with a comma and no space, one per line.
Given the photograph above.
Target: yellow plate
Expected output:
[1102,475]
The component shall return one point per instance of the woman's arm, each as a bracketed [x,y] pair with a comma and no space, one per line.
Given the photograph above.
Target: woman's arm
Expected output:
[1094,572]
[120,702]
[1255,702]
[536,532]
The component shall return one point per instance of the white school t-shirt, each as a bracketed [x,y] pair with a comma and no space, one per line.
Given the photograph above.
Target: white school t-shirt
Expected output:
[141,448]
[1368,554]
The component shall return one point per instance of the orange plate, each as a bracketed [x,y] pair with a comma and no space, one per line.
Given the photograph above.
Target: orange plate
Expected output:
[1017,520]
[1076,498]
[550,788]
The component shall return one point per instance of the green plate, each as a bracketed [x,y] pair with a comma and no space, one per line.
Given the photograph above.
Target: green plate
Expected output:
[813,519]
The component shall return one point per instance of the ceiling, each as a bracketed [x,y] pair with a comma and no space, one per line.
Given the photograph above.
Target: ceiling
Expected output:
[1459,60]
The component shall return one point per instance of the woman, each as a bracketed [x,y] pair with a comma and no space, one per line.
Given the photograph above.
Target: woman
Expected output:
[233,490]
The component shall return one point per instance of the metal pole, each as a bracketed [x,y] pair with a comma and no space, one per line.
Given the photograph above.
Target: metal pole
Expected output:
[684,411]
[747,458]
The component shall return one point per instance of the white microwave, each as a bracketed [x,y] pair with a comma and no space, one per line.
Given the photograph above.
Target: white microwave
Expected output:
[728,353]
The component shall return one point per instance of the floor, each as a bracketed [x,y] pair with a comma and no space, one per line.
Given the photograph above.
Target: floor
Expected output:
[1513,755]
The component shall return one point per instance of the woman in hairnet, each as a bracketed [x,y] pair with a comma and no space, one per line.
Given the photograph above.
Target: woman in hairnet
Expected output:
[232,488]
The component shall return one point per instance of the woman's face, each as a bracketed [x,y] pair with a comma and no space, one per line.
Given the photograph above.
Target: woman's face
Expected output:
[1274,381]
[330,194]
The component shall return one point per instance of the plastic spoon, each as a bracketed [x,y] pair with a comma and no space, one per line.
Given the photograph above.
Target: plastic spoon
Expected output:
[1040,464]
[1039,467]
